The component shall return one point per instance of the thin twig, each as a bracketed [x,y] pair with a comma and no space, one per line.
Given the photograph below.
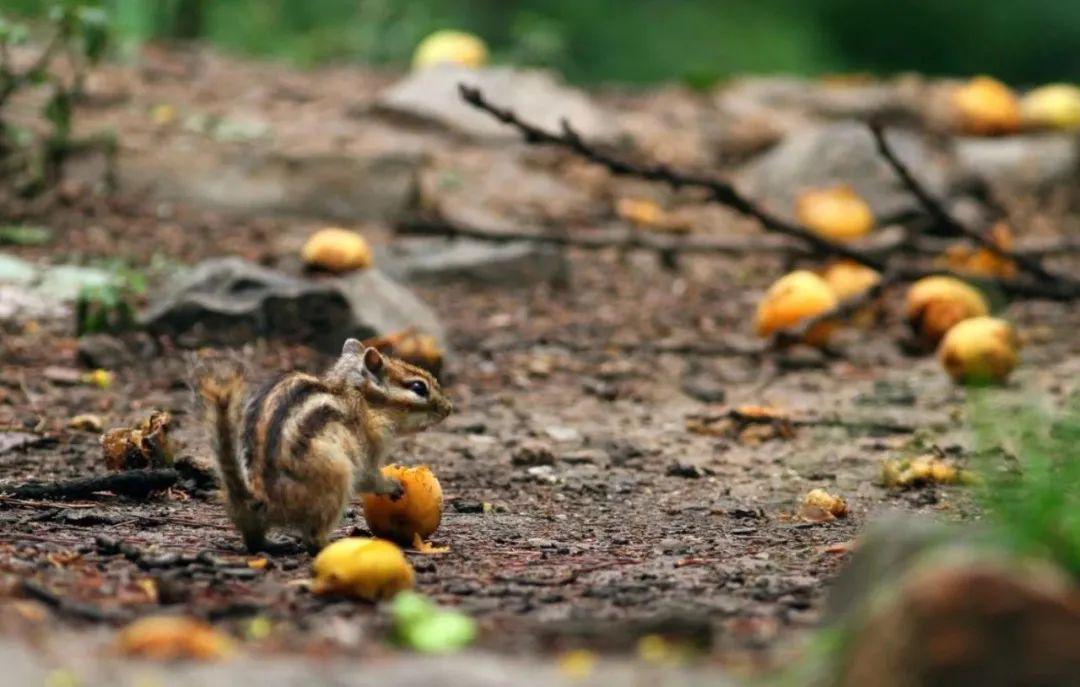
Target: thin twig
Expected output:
[943,218]
[721,191]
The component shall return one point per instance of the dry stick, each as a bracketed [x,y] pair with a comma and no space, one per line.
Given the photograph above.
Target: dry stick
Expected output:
[722,192]
[136,483]
[942,217]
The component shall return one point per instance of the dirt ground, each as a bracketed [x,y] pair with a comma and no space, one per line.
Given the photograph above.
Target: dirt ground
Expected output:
[632,523]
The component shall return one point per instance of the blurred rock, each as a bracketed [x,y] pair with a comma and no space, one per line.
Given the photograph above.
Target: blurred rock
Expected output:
[107,351]
[924,604]
[432,95]
[230,301]
[14,270]
[841,153]
[1022,163]
[439,261]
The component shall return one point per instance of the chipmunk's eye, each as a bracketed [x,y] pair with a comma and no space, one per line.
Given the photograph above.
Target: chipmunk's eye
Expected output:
[418,387]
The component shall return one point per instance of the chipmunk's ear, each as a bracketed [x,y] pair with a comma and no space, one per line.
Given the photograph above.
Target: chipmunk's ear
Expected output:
[352,347]
[374,364]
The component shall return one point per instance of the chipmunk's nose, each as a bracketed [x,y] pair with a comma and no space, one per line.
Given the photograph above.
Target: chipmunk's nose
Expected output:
[446,408]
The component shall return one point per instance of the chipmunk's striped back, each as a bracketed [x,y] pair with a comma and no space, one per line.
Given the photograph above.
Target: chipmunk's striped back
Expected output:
[280,422]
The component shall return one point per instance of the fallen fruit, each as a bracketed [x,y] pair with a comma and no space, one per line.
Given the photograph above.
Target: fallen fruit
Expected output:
[935,304]
[983,262]
[981,350]
[1054,106]
[86,422]
[986,107]
[134,448]
[102,379]
[837,213]
[415,348]
[370,569]
[450,47]
[850,280]
[927,469]
[336,250]
[417,512]
[649,215]
[792,299]
[166,638]
[819,505]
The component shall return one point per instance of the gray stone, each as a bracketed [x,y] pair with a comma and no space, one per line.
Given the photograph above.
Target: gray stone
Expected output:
[1026,163]
[383,305]
[375,186]
[438,261]
[21,303]
[103,350]
[230,301]
[14,270]
[432,95]
[841,153]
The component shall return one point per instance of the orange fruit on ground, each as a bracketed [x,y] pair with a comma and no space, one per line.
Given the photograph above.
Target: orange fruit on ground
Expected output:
[935,304]
[792,299]
[837,213]
[980,350]
[986,107]
[336,250]
[417,512]
[167,638]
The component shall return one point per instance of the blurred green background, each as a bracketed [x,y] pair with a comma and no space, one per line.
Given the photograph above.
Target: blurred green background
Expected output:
[641,40]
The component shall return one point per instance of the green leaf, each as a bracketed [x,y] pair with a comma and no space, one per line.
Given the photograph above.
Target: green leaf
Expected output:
[94,24]
[58,112]
[25,235]
[422,626]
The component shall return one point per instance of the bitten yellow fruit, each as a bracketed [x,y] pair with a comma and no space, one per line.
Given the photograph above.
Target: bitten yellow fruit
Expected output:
[986,107]
[793,298]
[337,250]
[837,213]
[167,638]
[826,502]
[370,569]
[450,47]
[981,350]
[935,304]
[417,512]
[1054,106]
[849,280]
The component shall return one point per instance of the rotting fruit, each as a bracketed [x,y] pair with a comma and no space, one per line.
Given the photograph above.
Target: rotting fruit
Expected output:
[935,304]
[417,512]
[793,298]
[980,350]
[362,567]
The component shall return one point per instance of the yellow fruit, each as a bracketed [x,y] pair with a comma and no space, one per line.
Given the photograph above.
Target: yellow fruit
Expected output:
[984,262]
[935,304]
[826,502]
[370,569]
[166,638]
[837,213]
[980,350]
[986,107]
[337,250]
[413,347]
[417,512]
[450,47]
[848,280]
[1054,106]
[793,298]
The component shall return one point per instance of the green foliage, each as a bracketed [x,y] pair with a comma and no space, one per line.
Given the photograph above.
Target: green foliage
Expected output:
[422,626]
[1034,499]
[110,307]
[78,34]
[24,235]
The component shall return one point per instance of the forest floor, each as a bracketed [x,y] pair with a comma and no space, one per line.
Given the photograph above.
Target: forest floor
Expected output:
[639,523]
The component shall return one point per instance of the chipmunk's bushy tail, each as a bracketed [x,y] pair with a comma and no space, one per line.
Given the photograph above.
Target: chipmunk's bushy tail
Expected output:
[221,389]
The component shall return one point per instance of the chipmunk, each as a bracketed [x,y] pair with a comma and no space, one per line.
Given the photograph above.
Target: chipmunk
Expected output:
[293,453]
